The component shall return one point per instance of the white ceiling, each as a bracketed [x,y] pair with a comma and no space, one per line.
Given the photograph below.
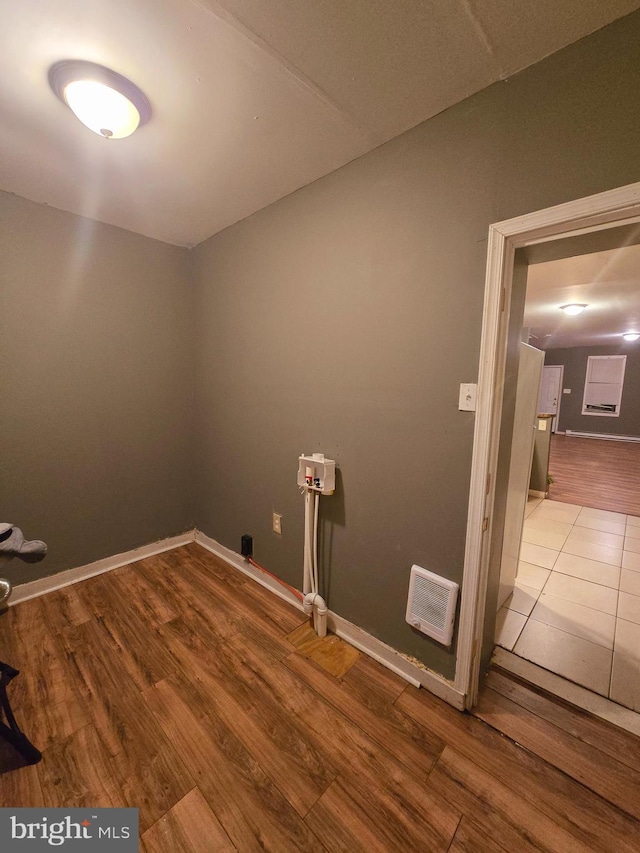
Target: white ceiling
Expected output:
[251,99]
[607,282]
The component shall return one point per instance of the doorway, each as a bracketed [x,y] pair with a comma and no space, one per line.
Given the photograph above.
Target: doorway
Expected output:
[502,323]
[575,605]
[550,391]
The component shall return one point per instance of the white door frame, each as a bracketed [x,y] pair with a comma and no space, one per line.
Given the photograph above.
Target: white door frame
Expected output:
[594,213]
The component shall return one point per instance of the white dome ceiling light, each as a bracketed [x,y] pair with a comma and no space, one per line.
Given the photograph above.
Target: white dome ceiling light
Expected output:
[631,336]
[573,309]
[104,101]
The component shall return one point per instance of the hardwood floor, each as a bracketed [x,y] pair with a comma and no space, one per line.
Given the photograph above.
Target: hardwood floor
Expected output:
[594,473]
[178,686]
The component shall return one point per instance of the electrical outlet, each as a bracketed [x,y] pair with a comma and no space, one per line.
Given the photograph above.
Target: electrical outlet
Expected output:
[277,522]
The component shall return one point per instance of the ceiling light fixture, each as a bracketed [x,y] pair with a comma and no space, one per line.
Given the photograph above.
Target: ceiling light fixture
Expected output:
[573,309]
[105,101]
[631,336]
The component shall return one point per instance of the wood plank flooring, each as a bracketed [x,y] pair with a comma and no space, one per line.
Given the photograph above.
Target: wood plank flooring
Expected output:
[594,473]
[181,687]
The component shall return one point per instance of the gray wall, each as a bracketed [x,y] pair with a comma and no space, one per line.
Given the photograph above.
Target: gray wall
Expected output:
[97,397]
[574,360]
[344,317]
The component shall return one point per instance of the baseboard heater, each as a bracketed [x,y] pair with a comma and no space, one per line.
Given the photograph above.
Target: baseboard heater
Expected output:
[602,436]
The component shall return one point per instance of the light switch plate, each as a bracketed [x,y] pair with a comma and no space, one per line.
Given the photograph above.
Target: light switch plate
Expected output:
[468,395]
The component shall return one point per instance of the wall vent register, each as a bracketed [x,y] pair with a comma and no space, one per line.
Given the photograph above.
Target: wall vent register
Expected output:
[431,607]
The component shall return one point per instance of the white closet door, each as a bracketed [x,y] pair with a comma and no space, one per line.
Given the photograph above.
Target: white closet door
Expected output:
[550,387]
[524,425]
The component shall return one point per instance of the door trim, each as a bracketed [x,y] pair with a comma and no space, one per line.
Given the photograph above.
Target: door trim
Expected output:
[609,209]
[560,393]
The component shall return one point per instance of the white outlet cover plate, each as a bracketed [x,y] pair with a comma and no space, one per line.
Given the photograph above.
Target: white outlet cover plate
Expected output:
[468,396]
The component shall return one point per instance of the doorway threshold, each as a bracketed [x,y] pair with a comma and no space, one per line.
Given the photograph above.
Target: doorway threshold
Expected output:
[570,692]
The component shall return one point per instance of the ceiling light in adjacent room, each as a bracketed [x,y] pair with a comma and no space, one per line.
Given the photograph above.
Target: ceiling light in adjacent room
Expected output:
[631,336]
[573,309]
[105,101]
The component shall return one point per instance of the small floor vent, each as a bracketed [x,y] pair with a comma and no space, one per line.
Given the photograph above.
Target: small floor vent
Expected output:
[431,607]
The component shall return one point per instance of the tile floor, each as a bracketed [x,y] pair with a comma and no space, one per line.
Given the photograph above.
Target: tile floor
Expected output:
[575,609]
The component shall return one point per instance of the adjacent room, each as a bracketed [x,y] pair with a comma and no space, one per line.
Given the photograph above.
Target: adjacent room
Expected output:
[248,582]
[574,610]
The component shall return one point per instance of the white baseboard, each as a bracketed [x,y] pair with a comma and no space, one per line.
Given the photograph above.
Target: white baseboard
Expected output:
[32,589]
[602,436]
[534,493]
[396,662]
[238,562]
[595,704]
[358,638]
